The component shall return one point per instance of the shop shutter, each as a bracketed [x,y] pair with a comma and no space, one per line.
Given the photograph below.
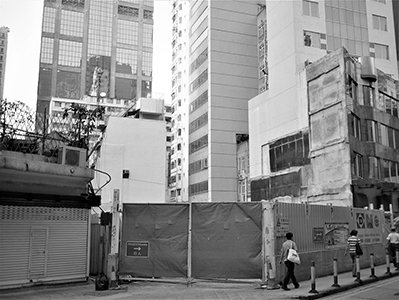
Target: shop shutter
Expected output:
[61,234]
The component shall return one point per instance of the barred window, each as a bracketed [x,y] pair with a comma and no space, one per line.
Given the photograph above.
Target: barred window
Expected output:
[199,122]
[74,3]
[198,188]
[199,61]
[202,99]
[203,77]
[147,14]
[202,142]
[128,11]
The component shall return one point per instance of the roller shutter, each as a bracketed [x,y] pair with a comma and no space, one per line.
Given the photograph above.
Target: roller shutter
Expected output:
[42,244]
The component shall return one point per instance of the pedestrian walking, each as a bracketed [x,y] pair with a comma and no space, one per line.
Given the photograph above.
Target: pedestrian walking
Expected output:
[287,245]
[351,248]
[393,245]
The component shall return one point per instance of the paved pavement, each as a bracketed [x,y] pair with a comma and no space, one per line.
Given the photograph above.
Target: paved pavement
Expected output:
[199,289]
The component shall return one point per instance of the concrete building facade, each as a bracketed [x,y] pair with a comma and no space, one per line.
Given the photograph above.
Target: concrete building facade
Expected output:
[278,118]
[135,169]
[3,57]
[95,48]
[223,76]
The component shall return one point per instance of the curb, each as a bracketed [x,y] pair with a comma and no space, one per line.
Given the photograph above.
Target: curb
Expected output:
[348,286]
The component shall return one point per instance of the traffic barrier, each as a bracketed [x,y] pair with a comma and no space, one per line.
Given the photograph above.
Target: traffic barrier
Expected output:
[372,265]
[335,270]
[358,269]
[387,263]
[313,278]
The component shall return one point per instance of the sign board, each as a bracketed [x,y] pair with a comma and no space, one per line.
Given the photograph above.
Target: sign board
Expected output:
[318,234]
[336,235]
[282,226]
[369,225]
[138,249]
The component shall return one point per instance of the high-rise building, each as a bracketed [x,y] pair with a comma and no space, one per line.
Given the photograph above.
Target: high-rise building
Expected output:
[222,77]
[178,180]
[95,48]
[3,56]
[279,117]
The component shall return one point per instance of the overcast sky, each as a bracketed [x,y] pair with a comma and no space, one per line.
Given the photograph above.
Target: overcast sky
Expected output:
[24,19]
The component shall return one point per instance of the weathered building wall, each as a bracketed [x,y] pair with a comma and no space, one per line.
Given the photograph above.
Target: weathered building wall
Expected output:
[329,147]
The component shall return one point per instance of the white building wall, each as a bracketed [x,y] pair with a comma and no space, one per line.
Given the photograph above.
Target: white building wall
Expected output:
[137,145]
[232,81]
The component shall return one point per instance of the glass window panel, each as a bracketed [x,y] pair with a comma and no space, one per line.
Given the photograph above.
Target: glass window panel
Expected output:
[351,32]
[358,33]
[356,18]
[71,23]
[385,170]
[44,86]
[306,7]
[349,16]
[314,8]
[396,133]
[147,64]
[70,53]
[335,14]
[351,47]
[68,85]
[49,19]
[147,35]
[330,42]
[126,61]
[344,31]
[363,20]
[395,109]
[337,43]
[391,137]
[364,35]
[383,23]
[328,13]
[125,88]
[373,168]
[366,50]
[356,5]
[100,33]
[375,22]
[336,29]
[146,88]
[329,27]
[347,4]
[345,43]
[128,32]
[342,15]
[359,48]
[46,55]
[362,6]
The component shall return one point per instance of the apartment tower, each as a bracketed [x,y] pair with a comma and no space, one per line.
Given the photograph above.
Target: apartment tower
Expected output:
[223,76]
[3,56]
[95,48]
[178,179]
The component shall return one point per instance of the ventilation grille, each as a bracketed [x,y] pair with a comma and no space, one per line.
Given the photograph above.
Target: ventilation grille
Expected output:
[43,213]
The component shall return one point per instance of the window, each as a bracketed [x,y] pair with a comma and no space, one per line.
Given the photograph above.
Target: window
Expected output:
[381,1]
[354,126]
[371,131]
[310,8]
[374,169]
[352,88]
[198,144]
[311,39]
[368,95]
[384,135]
[379,23]
[357,165]
[381,51]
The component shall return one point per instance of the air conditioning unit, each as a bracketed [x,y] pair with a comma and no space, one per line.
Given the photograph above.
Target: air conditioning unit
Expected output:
[72,156]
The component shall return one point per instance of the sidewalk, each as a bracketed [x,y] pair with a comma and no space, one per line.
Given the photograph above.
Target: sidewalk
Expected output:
[199,289]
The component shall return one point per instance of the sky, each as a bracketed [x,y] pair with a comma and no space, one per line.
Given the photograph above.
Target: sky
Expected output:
[24,19]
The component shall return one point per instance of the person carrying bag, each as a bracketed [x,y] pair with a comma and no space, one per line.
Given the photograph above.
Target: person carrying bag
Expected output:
[290,257]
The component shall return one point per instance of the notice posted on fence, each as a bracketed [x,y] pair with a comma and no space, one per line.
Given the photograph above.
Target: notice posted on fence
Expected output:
[335,234]
[138,249]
